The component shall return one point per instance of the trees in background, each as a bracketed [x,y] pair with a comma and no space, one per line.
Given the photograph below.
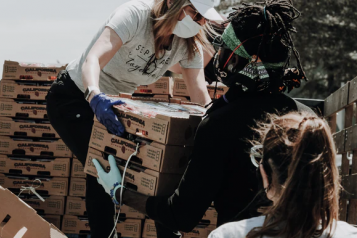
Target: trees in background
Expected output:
[327,42]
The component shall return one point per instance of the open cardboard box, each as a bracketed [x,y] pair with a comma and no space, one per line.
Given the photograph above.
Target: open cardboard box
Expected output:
[31,71]
[152,155]
[22,109]
[77,206]
[164,129]
[149,230]
[34,147]
[35,166]
[162,86]
[79,225]
[21,90]
[54,219]
[77,170]
[22,220]
[49,185]
[26,128]
[53,205]
[137,178]
[77,187]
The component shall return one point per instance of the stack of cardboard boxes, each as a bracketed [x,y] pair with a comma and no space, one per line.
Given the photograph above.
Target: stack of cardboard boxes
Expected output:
[180,90]
[165,144]
[160,91]
[31,152]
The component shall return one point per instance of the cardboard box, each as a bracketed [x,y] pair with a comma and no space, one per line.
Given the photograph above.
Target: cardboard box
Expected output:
[149,230]
[162,86]
[211,215]
[49,185]
[200,231]
[53,205]
[78,225]
[77,206]
[22,109]
[161,128]
[13,89]
[151,98]
[22,147]
[77,169]
[26,128]
[180,88]
[220,91]
[31,71]
[137,178]
[155,156]
[77,187]
[23,219]
[179,99]
[35,166]
[128,212]
[54,219]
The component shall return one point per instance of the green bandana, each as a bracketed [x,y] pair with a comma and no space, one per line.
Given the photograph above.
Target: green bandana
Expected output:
[230,39]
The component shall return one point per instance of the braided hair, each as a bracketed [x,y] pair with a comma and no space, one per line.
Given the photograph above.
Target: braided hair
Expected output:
[273,20]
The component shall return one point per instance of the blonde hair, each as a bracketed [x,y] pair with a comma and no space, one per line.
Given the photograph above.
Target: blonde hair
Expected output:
[164,21]
[299,152]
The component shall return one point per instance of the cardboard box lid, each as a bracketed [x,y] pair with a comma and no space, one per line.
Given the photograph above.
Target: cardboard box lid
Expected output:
[23,219]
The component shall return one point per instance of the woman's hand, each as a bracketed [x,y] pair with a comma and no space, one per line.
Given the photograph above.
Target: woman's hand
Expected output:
[102,106]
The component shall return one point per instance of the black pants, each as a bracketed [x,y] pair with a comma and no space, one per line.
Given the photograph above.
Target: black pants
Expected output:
[72,118]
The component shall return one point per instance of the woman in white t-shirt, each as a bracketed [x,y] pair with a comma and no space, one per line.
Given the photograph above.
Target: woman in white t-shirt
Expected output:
[136,45]
[299,174]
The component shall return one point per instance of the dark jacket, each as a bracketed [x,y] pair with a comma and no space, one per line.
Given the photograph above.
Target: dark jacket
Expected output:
[220,169]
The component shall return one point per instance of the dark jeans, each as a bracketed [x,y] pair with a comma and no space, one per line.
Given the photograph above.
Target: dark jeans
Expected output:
[72,118]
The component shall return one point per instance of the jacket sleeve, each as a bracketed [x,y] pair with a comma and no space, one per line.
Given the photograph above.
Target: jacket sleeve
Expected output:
[199,185]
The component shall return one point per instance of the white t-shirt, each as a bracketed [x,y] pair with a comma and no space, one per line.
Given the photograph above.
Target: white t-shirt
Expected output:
[241,229]
[132,22]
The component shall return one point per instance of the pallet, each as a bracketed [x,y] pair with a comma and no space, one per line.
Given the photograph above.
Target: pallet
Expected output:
[342,103]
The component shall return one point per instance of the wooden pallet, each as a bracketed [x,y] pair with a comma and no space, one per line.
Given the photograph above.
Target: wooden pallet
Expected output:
[344,101]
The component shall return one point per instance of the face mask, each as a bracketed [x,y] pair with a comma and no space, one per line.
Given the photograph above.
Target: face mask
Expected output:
[187,28]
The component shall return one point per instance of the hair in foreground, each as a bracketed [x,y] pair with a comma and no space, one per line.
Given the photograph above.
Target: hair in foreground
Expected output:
[164,22]
[299,159]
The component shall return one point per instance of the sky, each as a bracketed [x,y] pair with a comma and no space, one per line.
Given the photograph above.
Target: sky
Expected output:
[48,31]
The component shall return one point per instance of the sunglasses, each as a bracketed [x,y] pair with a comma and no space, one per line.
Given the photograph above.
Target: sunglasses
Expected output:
[255,155]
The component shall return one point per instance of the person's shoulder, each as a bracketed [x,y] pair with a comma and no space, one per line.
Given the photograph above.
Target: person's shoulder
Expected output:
[237,229]
[344,229]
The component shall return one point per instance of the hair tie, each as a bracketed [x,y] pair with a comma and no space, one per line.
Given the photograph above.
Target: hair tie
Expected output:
[265,13]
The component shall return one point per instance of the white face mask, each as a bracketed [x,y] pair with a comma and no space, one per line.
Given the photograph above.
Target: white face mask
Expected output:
[187,27]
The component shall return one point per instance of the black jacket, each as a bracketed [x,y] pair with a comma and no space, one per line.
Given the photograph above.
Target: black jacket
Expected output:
[220,169]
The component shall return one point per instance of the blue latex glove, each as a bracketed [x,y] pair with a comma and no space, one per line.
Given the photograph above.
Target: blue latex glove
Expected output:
[107,180]
[102,105]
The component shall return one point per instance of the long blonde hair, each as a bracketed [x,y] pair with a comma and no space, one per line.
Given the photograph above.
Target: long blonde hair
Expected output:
[164,21]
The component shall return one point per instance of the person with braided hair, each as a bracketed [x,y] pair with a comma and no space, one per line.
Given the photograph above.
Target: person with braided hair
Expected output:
[295,157]
[253,57]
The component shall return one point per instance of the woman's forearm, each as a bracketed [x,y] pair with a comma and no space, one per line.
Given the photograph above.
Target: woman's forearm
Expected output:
[90,72]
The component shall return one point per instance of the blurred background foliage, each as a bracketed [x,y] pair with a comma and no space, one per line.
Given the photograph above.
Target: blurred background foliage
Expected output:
[326,40]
